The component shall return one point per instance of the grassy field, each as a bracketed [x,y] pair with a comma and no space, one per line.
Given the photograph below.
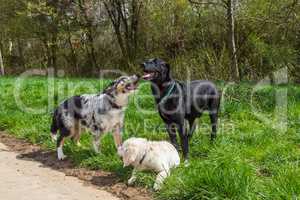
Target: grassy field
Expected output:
[251,158]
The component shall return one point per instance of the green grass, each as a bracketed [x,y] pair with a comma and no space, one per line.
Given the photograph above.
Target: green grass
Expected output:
[251,158]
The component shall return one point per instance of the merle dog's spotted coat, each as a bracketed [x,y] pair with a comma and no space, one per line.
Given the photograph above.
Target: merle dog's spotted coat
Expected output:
[180,103]
[99,113]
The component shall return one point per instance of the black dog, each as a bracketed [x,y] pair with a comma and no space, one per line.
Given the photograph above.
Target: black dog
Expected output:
[179,103]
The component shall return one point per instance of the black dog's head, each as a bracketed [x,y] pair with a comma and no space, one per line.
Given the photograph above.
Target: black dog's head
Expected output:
[156,70]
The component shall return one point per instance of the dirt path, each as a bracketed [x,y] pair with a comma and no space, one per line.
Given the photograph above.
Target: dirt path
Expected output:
[27,180]
[28,172]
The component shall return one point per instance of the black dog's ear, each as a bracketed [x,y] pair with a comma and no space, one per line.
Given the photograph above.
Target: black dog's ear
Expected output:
[168,70]
[168,66]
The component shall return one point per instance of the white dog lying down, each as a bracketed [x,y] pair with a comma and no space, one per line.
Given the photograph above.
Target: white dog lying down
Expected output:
[146,155]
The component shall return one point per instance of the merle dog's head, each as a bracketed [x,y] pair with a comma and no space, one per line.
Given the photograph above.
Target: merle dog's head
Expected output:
[156,70]
[124,84]
[121,88]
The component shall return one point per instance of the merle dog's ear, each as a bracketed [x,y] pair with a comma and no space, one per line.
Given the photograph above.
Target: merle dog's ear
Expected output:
[110,88]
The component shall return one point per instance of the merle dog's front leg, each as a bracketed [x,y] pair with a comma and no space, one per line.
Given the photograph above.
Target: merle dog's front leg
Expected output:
[96,141]
[117,135]
[171,128]
[133,177]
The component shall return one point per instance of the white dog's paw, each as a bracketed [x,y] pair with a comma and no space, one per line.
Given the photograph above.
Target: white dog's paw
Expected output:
[156,186]
[131,180]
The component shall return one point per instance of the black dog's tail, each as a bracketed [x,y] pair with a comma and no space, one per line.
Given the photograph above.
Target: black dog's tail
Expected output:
[55,125]
[220,94]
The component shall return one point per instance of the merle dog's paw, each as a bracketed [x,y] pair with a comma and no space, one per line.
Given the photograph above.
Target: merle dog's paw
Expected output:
[53,137]
[131,181]
[156,187]
[62,157]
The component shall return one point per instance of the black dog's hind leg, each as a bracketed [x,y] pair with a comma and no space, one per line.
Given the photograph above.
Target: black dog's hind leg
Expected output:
[213,114]
[192,126]
[214,122]
[171,128]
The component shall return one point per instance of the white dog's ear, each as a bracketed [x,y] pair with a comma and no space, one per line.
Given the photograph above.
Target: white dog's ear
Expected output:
[129,156]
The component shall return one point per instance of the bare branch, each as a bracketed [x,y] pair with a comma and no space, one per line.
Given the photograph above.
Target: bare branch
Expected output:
[208,2]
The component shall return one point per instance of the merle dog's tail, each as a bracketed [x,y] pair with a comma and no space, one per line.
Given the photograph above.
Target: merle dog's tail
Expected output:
[55,125]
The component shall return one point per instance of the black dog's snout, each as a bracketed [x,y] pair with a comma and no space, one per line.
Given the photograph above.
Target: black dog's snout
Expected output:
[138,76]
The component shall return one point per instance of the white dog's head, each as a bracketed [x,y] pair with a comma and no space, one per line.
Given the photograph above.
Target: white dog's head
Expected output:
[131,150]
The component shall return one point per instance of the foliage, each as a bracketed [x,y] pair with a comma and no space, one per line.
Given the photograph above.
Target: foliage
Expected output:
[85,36]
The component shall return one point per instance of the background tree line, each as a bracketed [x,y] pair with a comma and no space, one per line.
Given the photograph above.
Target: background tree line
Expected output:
[214,39]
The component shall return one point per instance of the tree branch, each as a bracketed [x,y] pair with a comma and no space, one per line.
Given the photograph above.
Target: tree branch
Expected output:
[208,2]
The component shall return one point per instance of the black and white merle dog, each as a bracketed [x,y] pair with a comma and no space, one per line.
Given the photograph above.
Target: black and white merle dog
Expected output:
[180,103]
[99,113]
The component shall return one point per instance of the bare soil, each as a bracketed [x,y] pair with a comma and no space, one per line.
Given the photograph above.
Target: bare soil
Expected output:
[98,179]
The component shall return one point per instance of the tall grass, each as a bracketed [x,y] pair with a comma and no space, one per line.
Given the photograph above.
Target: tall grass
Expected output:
[250,159]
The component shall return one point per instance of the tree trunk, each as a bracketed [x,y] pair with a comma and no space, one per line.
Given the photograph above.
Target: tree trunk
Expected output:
[47,53]
[53,49]
[21,54]
[126,28]
[88,26]
[231,39]
[92,48]
[1,63]
[115,18]
[73,54]
[10,47]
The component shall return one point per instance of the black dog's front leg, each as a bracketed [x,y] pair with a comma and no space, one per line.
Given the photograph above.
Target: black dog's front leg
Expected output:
[184,138]
[171,128]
